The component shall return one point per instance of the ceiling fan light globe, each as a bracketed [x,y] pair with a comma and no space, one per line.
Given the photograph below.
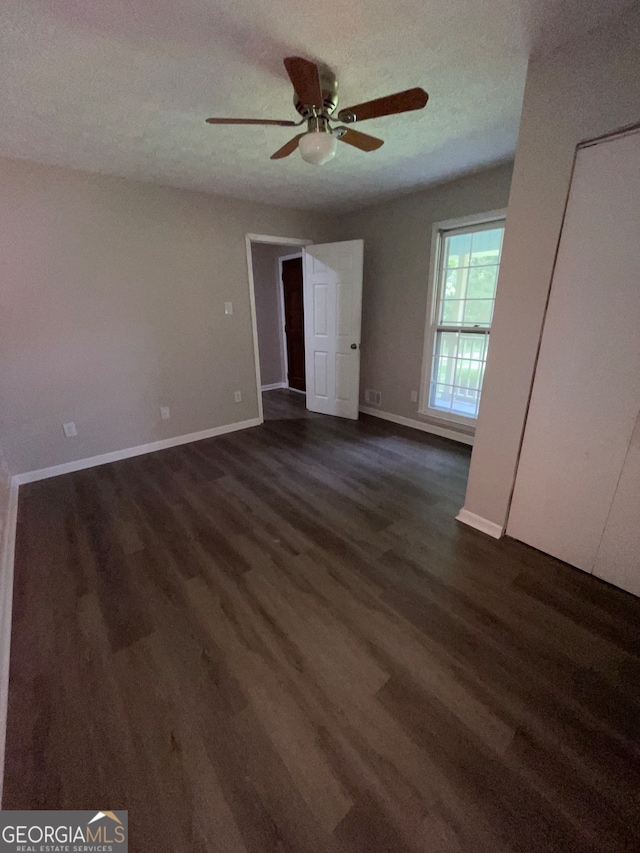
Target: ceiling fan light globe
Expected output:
[318,147]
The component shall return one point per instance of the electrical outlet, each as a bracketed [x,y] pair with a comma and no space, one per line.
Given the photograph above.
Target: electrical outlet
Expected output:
[165,413]
[70,429]
[414,396]
[237,396]
[228,307]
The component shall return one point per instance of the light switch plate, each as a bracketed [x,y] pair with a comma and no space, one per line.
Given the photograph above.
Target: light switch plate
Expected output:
[70,429]
[228,307]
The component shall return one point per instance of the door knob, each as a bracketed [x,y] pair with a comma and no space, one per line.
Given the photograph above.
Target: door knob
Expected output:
[354,346]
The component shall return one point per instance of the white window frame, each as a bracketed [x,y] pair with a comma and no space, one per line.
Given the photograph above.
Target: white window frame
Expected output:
[439,228]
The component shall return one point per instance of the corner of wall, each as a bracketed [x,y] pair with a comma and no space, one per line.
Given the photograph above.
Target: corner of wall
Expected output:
[8,524]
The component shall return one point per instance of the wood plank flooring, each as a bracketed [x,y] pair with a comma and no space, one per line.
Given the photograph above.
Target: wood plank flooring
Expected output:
[280,641]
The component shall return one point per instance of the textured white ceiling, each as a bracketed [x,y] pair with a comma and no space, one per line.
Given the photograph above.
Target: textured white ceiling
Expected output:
[123,87]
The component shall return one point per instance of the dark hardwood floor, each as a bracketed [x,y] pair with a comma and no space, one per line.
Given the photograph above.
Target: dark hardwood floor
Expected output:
[280,640]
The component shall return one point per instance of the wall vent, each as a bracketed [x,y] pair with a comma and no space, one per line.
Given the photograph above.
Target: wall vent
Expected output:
[373,398]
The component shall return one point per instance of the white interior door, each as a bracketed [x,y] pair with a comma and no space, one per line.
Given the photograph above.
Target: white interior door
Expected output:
[586,392]
[332,321]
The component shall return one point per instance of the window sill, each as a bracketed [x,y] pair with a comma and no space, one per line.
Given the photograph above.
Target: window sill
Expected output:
[457,426]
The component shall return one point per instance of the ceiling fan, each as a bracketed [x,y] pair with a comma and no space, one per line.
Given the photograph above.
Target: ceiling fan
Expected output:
[315,97]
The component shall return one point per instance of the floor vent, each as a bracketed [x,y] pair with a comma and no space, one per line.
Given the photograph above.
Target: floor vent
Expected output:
[374,398]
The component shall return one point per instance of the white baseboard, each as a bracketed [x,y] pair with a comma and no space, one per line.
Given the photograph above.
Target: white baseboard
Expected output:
[480,523]
[274,386]
[421,425]
[7,556]
[128,452]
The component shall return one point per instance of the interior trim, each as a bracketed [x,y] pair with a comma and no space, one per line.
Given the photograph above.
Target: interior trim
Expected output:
[128,452]
[443,432]
[250,239]
[6,600]
[480,523]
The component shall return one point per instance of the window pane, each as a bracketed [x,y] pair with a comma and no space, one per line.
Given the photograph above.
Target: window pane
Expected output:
[457,375]
[464,347]
[444,369]
[478,311]
[462,373]
[453,312]
[469,374]
[454,283]
[482,282]
[465,402]
[485,248]
[456,251]
[472,345]
[447,344]
[441,397]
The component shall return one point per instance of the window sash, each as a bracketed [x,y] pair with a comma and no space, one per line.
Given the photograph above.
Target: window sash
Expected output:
[457,373]
[436,327]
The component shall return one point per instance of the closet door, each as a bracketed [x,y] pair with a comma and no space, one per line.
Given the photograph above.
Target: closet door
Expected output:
[618,559]
[586,391]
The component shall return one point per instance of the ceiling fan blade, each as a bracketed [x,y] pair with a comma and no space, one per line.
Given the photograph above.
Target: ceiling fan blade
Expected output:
[360,140]
[306,80]
[401,102]
[251,121]
[287,149]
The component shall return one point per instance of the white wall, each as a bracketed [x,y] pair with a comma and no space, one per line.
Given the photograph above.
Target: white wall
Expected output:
[4,499]
[113,293]
[113,305]
[8,509]
[586,89]
[397,247]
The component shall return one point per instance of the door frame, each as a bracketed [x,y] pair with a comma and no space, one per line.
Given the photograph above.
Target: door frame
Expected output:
[283,324]
[298,242]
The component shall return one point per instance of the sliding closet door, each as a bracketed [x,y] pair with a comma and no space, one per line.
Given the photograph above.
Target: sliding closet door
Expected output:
[618,559]
[586,392]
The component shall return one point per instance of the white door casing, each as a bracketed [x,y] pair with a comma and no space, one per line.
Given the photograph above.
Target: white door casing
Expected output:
[332,318]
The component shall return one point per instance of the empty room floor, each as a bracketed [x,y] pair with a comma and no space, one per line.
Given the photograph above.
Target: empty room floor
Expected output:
[281,640]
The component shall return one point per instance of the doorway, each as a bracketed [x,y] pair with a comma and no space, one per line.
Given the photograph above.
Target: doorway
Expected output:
[278,317]
[327,305]
[293,306]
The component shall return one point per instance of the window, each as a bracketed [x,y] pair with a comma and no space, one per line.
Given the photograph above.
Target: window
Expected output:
[465,265]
